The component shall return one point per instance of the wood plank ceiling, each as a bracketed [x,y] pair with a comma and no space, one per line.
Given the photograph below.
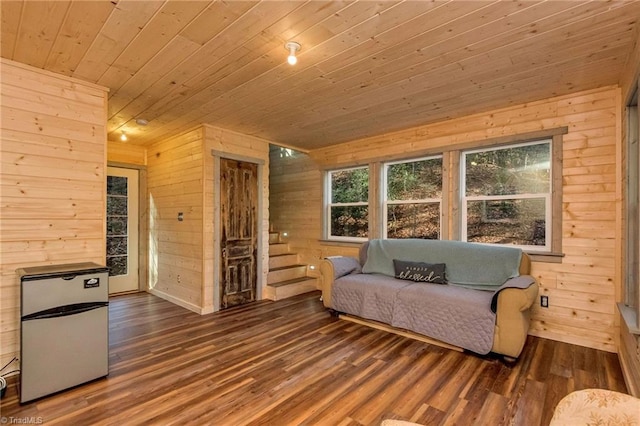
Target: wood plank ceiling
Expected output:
[365,68]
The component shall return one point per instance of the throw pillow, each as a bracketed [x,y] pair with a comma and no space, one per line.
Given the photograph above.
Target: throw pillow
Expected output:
[420,271]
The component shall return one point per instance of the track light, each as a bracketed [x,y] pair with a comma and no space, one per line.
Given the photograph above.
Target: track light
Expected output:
[292,47]
[123,136]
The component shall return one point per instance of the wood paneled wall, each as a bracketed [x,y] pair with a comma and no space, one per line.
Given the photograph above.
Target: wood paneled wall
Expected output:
[175,185]
[251,149]
[180,178]
[583,288]
[53,155]
[126,153]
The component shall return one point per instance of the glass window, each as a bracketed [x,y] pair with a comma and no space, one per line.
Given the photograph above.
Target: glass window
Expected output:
[413,198]
[117,233]
[348,203]
[494,192]
[506,195]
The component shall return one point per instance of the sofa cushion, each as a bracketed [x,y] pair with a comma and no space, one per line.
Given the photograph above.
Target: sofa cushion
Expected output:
[368,296]
[452,314]
[420,271]
[471,265]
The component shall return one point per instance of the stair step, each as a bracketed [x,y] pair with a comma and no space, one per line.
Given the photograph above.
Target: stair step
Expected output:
[276,249]
[281,260]
[274,237]
[289,288]
[286,273]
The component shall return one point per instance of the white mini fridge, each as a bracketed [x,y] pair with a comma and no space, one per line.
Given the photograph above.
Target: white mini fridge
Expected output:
[64,327]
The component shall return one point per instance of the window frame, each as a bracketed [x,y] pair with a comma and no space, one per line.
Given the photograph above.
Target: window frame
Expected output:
[451,203]
[547,196]
[385,193]
[630,309]
[328,196]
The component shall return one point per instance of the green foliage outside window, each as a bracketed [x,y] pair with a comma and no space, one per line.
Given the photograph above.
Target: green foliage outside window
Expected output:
[496,182]
[520,170]
[417,180]
[409,186]
[506,191]
[349,187]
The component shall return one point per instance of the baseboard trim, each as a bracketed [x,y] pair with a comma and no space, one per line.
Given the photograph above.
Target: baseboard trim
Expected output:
[405,333]
[176,301]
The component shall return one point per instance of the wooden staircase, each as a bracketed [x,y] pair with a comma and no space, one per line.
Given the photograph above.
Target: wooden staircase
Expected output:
[287,277]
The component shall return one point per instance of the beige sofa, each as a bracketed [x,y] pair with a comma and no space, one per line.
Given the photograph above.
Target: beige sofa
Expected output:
[511,305]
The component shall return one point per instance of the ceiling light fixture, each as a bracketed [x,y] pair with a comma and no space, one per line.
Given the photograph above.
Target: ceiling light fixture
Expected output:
[292,47]
[123,136]
[141,122]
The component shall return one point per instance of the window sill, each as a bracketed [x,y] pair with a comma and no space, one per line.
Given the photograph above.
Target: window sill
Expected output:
[545,257]
[341,243]
[630,318]
[534,256]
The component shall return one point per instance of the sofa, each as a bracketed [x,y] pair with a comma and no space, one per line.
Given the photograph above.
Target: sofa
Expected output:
[472,296]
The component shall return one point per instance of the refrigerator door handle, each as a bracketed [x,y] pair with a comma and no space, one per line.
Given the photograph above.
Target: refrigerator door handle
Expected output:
[63,311]
[68,277]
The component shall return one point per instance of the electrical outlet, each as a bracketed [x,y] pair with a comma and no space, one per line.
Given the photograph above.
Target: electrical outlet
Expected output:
[544,301]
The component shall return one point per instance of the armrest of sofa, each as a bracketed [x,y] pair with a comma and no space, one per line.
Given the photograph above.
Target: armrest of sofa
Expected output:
[513,313]
[333,268]
[520,282]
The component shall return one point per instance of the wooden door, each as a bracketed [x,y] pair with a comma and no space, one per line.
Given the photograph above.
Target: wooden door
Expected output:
[122,229]
[239,222]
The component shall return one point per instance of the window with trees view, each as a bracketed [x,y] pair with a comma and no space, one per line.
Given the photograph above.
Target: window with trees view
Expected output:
[506,195]
[504,190]
[413,198]
[348,206]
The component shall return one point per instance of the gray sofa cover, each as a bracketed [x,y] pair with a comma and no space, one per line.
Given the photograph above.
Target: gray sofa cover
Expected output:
[462,314]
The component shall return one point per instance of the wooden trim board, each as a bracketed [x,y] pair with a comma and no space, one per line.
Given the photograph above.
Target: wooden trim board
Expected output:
[404,333]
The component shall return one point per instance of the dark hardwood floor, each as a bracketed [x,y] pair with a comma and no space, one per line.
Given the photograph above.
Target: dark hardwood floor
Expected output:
[290,363]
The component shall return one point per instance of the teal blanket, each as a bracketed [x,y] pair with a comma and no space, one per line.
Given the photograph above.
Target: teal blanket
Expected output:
[468,264]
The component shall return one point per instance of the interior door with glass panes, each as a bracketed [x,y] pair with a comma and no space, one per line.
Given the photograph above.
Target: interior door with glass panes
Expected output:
[122,229]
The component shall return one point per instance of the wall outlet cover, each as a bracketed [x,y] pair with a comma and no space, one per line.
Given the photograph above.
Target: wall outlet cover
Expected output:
[544,301]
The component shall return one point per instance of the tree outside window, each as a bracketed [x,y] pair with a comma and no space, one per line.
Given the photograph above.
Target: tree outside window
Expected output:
[506,190]
[413,198]
[506,195]
[348,205]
